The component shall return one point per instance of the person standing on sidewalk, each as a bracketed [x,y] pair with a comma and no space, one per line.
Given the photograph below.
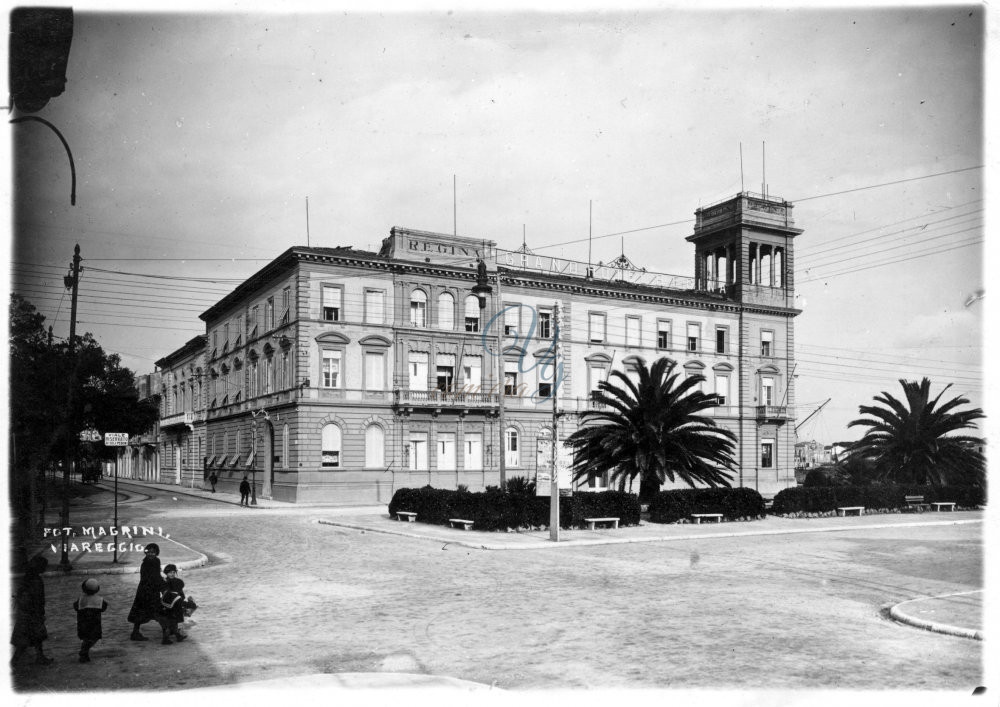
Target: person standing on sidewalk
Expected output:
[245,492]
[146,604]
[29,612]
[213,479]
[89,608]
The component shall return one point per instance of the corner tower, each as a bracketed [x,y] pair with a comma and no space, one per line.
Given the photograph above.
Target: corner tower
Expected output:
[744,249]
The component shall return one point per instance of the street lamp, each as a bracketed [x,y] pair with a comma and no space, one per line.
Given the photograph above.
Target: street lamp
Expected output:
[253,469]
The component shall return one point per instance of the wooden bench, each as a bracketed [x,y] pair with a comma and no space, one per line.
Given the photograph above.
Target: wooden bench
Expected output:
[408,516]
[938,505]
[915,502]
[845,510]
[717,517]
[466,524]
[592,522]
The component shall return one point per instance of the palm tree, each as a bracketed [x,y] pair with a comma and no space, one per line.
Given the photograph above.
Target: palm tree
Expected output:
[914,442]
[653,429]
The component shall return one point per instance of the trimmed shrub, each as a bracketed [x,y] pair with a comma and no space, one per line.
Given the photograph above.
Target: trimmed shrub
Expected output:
[493,509]
[732,503]
[826,499]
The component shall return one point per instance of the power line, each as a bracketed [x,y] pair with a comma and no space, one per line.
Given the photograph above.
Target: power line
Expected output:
[885,184]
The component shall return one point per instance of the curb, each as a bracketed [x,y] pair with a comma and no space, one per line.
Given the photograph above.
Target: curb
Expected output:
[897,614]
[623,541]
[200,561]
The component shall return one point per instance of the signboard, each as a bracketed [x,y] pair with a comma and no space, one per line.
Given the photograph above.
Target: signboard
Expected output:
[90,436]
[564,465]
[115,439]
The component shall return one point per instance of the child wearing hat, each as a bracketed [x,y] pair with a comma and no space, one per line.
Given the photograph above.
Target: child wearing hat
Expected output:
[172,605]
[89,608]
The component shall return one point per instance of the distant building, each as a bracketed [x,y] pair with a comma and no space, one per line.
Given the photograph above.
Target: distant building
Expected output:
[141,459]
[341,375]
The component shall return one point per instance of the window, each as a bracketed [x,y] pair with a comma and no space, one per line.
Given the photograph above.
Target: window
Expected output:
[418,308]
[238,332]
[446,311]
[444,372]
[446,451]
[252,383]
[374,370]
[252,325]
[633,331]
[418,450]
[472,372]
[694,337]
[418,370]
[595,374]
[268,374]
[767,391]
[511,447]
[510,377]
[331,445]
[332,303]
[544,374]
[286,303]
[471,313]
[545,323]
[374,306]
[284,448]
[374,447]
[473,451]
[511,319]
[767,454]
[722,389]
[225,337]
[331,369]
[766,343]
[282,381]
[597,322]
[662,334]
[721,339]
[269,314]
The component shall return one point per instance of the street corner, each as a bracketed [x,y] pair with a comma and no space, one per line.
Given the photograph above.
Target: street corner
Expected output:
[959,614]
[353,681]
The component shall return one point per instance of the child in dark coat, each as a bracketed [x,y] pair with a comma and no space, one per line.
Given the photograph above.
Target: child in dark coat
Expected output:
[172,606]
[89,608]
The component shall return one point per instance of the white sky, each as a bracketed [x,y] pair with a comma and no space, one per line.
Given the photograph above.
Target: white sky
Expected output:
[198,137]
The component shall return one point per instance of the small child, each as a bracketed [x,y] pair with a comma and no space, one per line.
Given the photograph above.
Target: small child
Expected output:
[172,605]
[89,608]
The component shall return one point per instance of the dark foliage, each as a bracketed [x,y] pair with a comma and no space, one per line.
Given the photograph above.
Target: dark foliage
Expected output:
[822,477]
[824,499]
[671,506]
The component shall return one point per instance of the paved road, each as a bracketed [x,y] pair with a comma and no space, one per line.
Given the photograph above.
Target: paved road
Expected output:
[284,596]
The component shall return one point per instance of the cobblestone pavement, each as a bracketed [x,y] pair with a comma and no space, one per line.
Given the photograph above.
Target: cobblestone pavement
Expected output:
[284,596]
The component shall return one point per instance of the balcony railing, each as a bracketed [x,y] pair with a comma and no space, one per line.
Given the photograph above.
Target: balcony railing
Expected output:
[777,413]
[181,418]
[449,398]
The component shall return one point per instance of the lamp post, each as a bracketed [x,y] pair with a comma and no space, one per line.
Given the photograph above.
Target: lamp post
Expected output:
[481,290]
[253,469]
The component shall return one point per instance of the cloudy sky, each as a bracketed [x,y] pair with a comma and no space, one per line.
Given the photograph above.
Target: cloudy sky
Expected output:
[199,137]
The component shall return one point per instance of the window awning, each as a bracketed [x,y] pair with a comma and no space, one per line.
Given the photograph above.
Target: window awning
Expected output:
[250,459]
[222,460]
[211,460]
[236,461]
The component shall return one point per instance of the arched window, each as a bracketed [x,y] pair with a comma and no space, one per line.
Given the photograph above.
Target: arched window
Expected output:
[331,445]
[512,447]
[418,308]
[446,311]
[374,446]
[472,313]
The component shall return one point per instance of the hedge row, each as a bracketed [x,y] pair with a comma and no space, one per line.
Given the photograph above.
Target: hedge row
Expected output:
[732,503]
[495,510]
[821,499]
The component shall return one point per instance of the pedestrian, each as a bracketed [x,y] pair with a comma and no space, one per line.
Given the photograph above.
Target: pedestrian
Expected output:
[29,612]
[213,479]
[146,604]
[89,608]
[172,604]
[245,492]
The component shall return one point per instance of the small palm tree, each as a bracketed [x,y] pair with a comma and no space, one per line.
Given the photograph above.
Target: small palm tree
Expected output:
[653,429]
[914,442]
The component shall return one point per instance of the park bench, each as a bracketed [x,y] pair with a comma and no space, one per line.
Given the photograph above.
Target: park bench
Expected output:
[408,516]
[591,522]
[717,517]
[846,510]
[938,505]
[466,524]
[915,502]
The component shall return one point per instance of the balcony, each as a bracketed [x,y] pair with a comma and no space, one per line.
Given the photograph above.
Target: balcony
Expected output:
[450,399]
[181,419]
[774,414]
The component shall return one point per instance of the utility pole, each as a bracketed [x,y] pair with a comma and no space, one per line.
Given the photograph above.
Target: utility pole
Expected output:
[71,281]
[554,483]
[502,380]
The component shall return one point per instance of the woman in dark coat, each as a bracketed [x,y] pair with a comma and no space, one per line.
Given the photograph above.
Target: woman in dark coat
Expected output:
[146,604]
[29,612]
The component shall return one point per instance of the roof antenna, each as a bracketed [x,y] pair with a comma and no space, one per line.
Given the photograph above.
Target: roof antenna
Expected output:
[763,162]
[741,168]
[590,238]
[454,202]
[307,221]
